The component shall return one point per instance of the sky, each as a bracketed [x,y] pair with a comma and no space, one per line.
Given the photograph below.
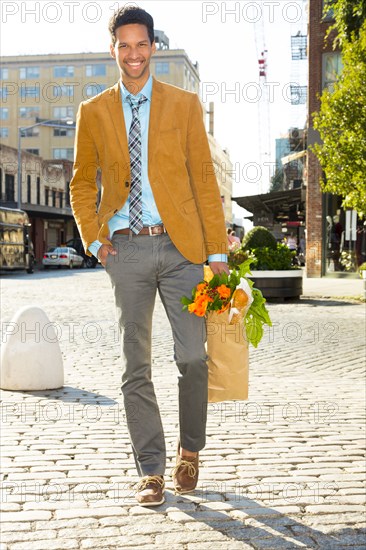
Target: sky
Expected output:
[226,38]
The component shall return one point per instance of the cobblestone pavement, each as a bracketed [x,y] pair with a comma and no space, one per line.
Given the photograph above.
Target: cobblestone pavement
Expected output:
[283,470]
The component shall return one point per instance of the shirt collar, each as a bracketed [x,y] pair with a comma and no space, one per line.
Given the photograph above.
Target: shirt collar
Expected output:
[146,90]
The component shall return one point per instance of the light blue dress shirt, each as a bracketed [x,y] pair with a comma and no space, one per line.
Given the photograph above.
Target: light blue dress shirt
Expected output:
[150,213]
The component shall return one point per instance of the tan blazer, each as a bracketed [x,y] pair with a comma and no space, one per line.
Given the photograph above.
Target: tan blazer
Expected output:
[180,170]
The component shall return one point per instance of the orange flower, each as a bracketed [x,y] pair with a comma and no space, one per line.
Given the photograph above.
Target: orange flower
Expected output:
[199,305]
[223,291]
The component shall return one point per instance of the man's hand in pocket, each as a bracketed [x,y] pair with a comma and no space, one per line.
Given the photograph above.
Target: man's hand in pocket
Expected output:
[103,252]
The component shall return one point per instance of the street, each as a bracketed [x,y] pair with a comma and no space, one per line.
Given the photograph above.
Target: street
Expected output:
[283,470]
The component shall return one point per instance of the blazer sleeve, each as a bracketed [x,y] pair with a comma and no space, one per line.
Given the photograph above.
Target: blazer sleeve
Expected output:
[203,181]
[83,186]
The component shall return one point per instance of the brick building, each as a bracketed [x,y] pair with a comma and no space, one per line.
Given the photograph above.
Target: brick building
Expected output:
[330,234]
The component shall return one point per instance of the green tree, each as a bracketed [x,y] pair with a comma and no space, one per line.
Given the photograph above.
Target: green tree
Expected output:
[341,122]
[349,16]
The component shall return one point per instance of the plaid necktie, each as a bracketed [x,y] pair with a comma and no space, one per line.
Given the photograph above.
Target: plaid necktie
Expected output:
[134,145]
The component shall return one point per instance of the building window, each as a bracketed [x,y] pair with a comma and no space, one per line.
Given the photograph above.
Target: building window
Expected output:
[63,112]
[63,70]
[162,68]
[28,112]
[3,93]
[33,151]
[4,113]
[9,188]
[95,70]
[93,89]
[29,189]
[61,199]
[332,68]
[53,197]
[66,90]
[4,73]
[38,190]
[29,91]
[63,132]
[30,132]
[329,14]
[46,195]
[4,132]
[28,72]
[63,153]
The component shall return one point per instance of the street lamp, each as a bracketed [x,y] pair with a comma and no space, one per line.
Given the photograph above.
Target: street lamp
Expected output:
[52,124]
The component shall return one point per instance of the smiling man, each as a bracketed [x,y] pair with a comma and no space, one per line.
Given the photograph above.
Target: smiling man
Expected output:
[159,219]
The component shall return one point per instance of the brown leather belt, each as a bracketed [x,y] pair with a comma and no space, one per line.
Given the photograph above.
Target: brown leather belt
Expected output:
[151,230]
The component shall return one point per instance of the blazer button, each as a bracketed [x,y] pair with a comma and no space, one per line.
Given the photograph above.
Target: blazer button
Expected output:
[127,184]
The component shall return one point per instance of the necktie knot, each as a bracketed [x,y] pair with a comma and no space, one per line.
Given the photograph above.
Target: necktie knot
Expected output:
[136,104]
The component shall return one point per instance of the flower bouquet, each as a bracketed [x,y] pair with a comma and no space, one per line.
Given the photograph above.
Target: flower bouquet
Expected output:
[235,314]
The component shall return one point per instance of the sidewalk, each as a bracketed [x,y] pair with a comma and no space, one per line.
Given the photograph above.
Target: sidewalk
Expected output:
[328,287]
[284,470]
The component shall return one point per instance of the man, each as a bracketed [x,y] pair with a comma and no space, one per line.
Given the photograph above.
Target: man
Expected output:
[159,217]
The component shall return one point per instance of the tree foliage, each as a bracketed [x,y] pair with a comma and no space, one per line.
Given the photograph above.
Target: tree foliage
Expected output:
[341,121]
[349,16]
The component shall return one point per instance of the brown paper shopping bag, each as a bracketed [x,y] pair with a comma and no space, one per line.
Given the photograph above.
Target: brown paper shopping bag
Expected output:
[228,362]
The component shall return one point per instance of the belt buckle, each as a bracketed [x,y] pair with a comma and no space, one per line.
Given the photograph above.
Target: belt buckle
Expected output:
[151,232]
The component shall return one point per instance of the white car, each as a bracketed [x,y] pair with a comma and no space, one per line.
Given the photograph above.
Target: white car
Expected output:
[62,256]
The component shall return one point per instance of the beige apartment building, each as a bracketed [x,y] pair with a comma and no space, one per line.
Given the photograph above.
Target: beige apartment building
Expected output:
[46,90]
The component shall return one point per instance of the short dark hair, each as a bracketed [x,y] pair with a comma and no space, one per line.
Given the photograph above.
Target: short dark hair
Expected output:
[129,15]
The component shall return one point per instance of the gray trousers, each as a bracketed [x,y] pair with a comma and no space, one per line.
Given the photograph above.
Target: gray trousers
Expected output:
[143,265]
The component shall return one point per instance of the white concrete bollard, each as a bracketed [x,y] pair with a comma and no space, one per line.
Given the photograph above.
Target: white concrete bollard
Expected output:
[31,356]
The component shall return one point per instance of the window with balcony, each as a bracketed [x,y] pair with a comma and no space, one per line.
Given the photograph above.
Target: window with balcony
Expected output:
[4,113]
[96,70]
[28,72]
[63,70]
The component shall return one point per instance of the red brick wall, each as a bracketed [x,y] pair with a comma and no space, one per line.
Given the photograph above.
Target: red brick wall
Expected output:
[316,47]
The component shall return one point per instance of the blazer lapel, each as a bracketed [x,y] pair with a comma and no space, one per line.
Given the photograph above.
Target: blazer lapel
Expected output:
[114,106]
[155,119]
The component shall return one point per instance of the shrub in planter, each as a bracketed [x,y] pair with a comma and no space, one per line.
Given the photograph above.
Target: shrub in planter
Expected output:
[268,259]
[259,237]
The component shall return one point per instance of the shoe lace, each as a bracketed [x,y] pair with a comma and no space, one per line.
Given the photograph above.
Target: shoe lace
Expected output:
[147,480]
[191,469]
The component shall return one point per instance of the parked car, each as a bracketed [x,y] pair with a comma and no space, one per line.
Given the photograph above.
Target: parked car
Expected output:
[90,261]
[64,256]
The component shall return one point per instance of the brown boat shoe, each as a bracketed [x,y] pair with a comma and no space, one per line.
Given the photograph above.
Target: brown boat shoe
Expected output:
[150,491]
[185,473]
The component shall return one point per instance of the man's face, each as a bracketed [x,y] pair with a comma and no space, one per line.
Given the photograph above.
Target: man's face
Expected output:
[132,52]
